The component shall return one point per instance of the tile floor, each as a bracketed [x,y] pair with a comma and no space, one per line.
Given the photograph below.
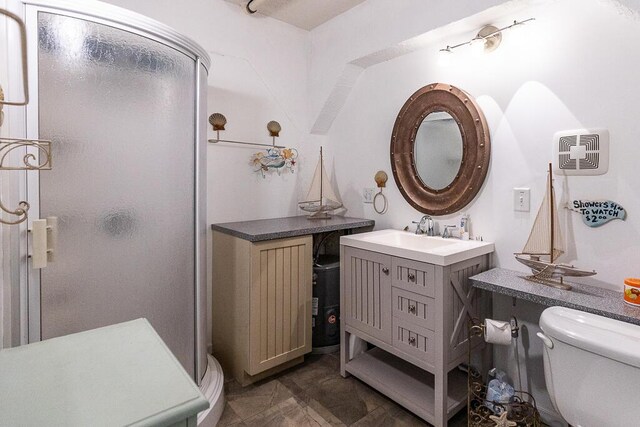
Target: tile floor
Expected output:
[314,394]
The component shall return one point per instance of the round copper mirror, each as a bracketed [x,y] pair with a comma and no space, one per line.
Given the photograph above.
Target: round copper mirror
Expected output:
[440,149]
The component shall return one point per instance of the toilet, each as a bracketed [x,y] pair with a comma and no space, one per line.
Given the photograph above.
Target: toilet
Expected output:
[591,367]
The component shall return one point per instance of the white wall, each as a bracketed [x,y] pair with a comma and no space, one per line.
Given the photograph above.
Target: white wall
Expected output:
[548,76]
[258,73]
[574,67]
[372,26]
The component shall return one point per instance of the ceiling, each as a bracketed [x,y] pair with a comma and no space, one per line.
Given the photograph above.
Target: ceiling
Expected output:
[305,14]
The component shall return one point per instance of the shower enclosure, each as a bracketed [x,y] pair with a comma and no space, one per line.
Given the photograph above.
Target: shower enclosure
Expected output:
[122,98]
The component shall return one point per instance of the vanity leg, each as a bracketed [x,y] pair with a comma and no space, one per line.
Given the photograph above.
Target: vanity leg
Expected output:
[440,417]
[345,336]
[344,351]
[442,331]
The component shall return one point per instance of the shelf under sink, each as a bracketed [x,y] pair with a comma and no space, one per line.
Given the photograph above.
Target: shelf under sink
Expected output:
[407,384]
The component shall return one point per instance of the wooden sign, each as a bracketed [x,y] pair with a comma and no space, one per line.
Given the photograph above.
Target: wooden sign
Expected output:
[597,212]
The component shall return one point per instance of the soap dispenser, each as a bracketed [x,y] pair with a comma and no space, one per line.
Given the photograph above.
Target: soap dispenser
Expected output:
[464,226]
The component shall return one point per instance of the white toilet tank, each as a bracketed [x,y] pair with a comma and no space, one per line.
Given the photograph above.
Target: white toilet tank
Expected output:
[592,368]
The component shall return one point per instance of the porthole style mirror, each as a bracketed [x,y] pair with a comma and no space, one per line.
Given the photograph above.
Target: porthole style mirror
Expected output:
[440,149]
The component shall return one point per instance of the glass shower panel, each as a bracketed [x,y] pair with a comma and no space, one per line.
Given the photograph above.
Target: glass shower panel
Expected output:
[120,109]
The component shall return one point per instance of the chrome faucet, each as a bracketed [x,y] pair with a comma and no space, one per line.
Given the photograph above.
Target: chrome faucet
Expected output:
[425,226]
[446,234]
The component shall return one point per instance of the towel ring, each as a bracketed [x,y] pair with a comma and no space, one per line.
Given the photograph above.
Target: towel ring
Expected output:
[385,204]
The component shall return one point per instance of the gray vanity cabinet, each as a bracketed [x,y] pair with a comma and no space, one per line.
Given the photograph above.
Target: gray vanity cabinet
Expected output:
[416,316]
[367,293]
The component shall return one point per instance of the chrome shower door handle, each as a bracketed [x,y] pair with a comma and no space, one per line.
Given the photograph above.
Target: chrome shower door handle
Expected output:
[52,237]
[38,243]
[44,238]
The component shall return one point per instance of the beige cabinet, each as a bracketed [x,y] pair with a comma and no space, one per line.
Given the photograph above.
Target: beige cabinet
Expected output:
[416,315]
[261,304]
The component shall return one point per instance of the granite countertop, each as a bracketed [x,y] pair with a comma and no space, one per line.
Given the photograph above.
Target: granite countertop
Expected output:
[591,299]
[279,228]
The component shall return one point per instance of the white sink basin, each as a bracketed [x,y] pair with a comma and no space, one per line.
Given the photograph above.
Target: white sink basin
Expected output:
[404,244]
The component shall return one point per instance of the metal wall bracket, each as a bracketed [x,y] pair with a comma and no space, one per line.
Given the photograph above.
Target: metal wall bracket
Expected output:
[8,145]
[30,162]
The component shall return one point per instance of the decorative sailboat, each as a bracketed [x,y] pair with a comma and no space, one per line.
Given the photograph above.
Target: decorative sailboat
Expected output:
[545,241]
[321,198]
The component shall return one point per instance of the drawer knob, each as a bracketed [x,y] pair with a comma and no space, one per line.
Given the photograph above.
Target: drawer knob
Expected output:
[412,309]
[412,277]
[412,341]
[385,270]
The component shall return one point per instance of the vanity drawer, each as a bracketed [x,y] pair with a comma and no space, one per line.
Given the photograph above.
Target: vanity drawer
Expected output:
[413,276]
[413,340]
[414,308]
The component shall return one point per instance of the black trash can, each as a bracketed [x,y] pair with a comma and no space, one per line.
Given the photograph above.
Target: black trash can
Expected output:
[326,304]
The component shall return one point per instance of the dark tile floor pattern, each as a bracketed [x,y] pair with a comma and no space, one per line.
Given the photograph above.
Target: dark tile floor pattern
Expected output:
[314,394]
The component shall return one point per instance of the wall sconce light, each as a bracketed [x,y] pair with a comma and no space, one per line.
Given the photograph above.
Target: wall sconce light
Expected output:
[218,121]
[487,40]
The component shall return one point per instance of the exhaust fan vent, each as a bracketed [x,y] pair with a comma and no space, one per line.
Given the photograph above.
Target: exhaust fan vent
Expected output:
[581,152]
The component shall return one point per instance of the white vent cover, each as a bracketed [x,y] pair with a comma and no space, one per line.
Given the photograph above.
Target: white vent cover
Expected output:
[581,152]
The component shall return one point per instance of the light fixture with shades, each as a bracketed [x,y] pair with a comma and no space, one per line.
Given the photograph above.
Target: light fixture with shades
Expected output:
[488,39]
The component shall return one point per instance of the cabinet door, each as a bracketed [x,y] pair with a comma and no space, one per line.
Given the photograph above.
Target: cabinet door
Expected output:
[367,292]
[280,302]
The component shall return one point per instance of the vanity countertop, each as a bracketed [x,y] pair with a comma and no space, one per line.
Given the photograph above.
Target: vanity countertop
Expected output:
[603,302]
[279,228]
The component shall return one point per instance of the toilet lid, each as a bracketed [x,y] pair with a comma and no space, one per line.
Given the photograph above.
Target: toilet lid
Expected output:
[607,337]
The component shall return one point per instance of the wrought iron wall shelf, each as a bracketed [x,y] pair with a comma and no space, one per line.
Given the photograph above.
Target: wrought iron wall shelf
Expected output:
[32,160]
[29,161]
[40,160]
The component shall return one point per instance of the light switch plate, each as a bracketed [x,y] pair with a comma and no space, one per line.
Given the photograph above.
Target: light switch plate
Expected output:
[521,199]
[368,194]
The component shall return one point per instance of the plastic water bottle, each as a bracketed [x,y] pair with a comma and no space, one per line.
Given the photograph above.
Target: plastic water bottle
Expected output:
[498,391]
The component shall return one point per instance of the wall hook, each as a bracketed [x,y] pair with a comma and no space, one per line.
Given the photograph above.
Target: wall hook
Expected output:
[381,179]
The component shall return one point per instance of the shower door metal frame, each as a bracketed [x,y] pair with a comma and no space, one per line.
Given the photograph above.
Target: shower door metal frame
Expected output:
[134,23]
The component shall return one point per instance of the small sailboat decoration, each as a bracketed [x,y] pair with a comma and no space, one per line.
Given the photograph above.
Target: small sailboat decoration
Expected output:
[546,241]
[321,198]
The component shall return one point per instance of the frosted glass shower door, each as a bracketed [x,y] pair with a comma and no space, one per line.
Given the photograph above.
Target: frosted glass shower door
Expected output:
[120,109]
